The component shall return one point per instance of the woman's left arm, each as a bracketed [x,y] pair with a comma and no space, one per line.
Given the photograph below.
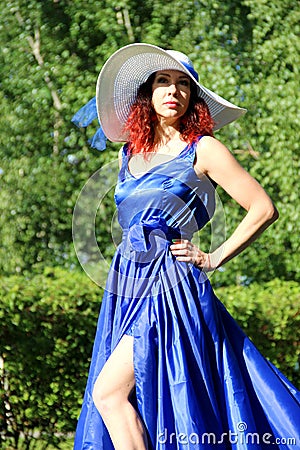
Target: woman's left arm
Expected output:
[216,161]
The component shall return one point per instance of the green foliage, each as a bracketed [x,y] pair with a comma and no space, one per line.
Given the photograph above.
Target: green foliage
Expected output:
[270,82]
[270,316]
[39,444]
[51,54]
[47,329]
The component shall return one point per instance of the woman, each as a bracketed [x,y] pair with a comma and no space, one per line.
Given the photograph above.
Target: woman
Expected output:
[170,367]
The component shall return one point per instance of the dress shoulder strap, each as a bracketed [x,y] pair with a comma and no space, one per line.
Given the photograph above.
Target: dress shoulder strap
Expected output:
[124,151]
[124,154]
[190,151]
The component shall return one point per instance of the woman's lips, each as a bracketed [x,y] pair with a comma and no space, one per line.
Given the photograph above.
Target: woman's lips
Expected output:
[172,104]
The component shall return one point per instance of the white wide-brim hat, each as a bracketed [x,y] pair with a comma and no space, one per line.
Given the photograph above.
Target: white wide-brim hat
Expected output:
[129,67]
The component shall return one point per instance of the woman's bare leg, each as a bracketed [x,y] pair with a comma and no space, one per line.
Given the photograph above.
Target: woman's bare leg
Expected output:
[111,392]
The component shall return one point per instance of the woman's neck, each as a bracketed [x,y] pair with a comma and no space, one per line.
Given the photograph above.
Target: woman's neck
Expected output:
[164,133]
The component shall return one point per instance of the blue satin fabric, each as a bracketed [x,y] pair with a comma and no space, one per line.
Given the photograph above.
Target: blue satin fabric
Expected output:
[200,381]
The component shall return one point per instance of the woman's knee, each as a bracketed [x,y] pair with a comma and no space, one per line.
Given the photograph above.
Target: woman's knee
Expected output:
[116,379]
[102,398]
[106,399]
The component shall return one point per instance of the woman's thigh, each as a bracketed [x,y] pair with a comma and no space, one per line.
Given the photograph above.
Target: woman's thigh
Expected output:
[116,378]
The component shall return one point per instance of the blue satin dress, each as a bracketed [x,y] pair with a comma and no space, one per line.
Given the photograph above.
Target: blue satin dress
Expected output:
[200,381]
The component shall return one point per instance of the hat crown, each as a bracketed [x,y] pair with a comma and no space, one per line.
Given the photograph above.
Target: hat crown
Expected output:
[181,57]
[185,61]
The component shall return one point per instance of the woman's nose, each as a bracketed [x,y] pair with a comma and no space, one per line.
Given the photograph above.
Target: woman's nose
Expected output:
[172,88]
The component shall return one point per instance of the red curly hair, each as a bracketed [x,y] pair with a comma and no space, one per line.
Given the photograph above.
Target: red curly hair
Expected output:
[142,118]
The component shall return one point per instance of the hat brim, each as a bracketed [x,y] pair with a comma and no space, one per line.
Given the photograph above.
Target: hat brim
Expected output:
[127,69]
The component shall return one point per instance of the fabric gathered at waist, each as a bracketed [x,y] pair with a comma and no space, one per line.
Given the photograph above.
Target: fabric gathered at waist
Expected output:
[139,235]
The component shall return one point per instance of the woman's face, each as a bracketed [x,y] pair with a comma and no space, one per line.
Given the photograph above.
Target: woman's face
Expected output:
[171,90]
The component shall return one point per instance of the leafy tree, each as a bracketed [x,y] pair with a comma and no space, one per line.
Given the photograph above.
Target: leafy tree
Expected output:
[270,80]
[52,52]
[45,161]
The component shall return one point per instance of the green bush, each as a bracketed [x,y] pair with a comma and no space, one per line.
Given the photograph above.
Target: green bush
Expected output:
[270,316]
[47,331]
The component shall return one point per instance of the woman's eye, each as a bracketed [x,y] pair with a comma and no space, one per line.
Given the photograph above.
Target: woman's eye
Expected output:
[185,82]
[162,80]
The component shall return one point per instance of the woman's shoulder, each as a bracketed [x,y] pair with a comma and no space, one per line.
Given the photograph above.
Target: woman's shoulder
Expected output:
[209,148]
[208,142]
[210,151]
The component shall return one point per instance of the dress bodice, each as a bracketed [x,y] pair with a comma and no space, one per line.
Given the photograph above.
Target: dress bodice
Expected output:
[170,196]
